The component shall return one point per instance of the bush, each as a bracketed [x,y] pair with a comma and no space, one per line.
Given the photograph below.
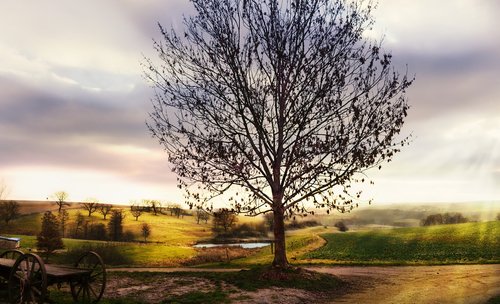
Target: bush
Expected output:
[341,226]
[97,232]
[294,224]
[128,236]
[111,254]
[249,230]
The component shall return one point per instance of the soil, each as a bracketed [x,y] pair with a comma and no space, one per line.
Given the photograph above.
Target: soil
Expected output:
[417,284]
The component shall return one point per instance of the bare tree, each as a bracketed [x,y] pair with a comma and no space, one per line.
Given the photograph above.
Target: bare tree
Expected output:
[223,220]
[9,210]
[145,231]
[63,218]
[3,189]
[91,206]
[175,209]
[284,104]
[154,204]
[136,211]
[61,197]
[201,215]
[105,209]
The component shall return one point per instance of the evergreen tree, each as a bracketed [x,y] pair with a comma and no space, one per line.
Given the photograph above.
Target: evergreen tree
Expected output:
[115,225]
[49,238]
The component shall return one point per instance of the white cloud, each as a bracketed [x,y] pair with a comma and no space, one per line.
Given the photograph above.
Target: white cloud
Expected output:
[438,27]
[72,97]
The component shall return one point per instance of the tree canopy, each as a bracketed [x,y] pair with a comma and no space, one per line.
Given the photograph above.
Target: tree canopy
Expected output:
[279,103]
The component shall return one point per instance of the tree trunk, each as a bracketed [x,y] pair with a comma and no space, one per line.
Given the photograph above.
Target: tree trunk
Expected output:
[280,260]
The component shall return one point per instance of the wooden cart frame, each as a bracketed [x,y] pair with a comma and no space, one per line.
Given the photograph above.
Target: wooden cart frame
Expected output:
[27,277]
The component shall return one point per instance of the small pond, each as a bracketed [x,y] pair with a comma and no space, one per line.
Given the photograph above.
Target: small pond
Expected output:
[242,245]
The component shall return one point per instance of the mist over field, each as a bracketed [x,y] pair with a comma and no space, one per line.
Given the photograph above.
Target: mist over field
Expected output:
[411,214]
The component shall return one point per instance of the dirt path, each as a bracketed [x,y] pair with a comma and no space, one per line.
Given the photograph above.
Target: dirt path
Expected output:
[465,284]
[419,284]
[180,269]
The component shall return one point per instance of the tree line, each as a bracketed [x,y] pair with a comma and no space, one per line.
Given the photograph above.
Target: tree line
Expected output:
[446,218]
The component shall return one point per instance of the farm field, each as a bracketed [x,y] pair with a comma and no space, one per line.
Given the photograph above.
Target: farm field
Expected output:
[443,244]
[171,240]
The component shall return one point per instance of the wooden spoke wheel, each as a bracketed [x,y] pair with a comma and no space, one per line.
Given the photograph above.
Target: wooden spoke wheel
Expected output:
[11,254]
[28,280]
[89,287]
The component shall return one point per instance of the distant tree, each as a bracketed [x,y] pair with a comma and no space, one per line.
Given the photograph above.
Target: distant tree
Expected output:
[91,206]
[201,215]
[85,229]
[49,238]
[447,218]
[97,231]
[63,218]
[9,210]
[498,217]
[145,231]
[105,209]
[61,197]
[115,225]
[136,211]
[176,210]
[3,189]
[223,220]
[341,226]
[155,206]
[454,218]
[286,103]
[269,220]
[433,219]
[78,225]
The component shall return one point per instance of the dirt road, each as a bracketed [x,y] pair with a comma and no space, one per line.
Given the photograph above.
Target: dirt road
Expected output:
[419,284]
[465,284]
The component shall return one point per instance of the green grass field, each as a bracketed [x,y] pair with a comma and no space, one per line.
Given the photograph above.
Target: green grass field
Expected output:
[171,240]
[169,244]
[444,244]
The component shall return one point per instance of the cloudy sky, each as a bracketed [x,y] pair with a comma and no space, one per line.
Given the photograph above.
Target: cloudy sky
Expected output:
[73,103]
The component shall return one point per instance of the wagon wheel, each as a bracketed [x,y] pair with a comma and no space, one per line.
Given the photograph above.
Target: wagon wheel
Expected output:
[11,254]
[89,288]
[28,280]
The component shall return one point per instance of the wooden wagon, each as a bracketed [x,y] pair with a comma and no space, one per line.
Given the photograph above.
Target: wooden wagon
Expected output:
[26,277]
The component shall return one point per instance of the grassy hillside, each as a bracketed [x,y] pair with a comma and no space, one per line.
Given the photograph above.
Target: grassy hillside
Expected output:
[461,243]
[169,244]
[171,239]
[164,228]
